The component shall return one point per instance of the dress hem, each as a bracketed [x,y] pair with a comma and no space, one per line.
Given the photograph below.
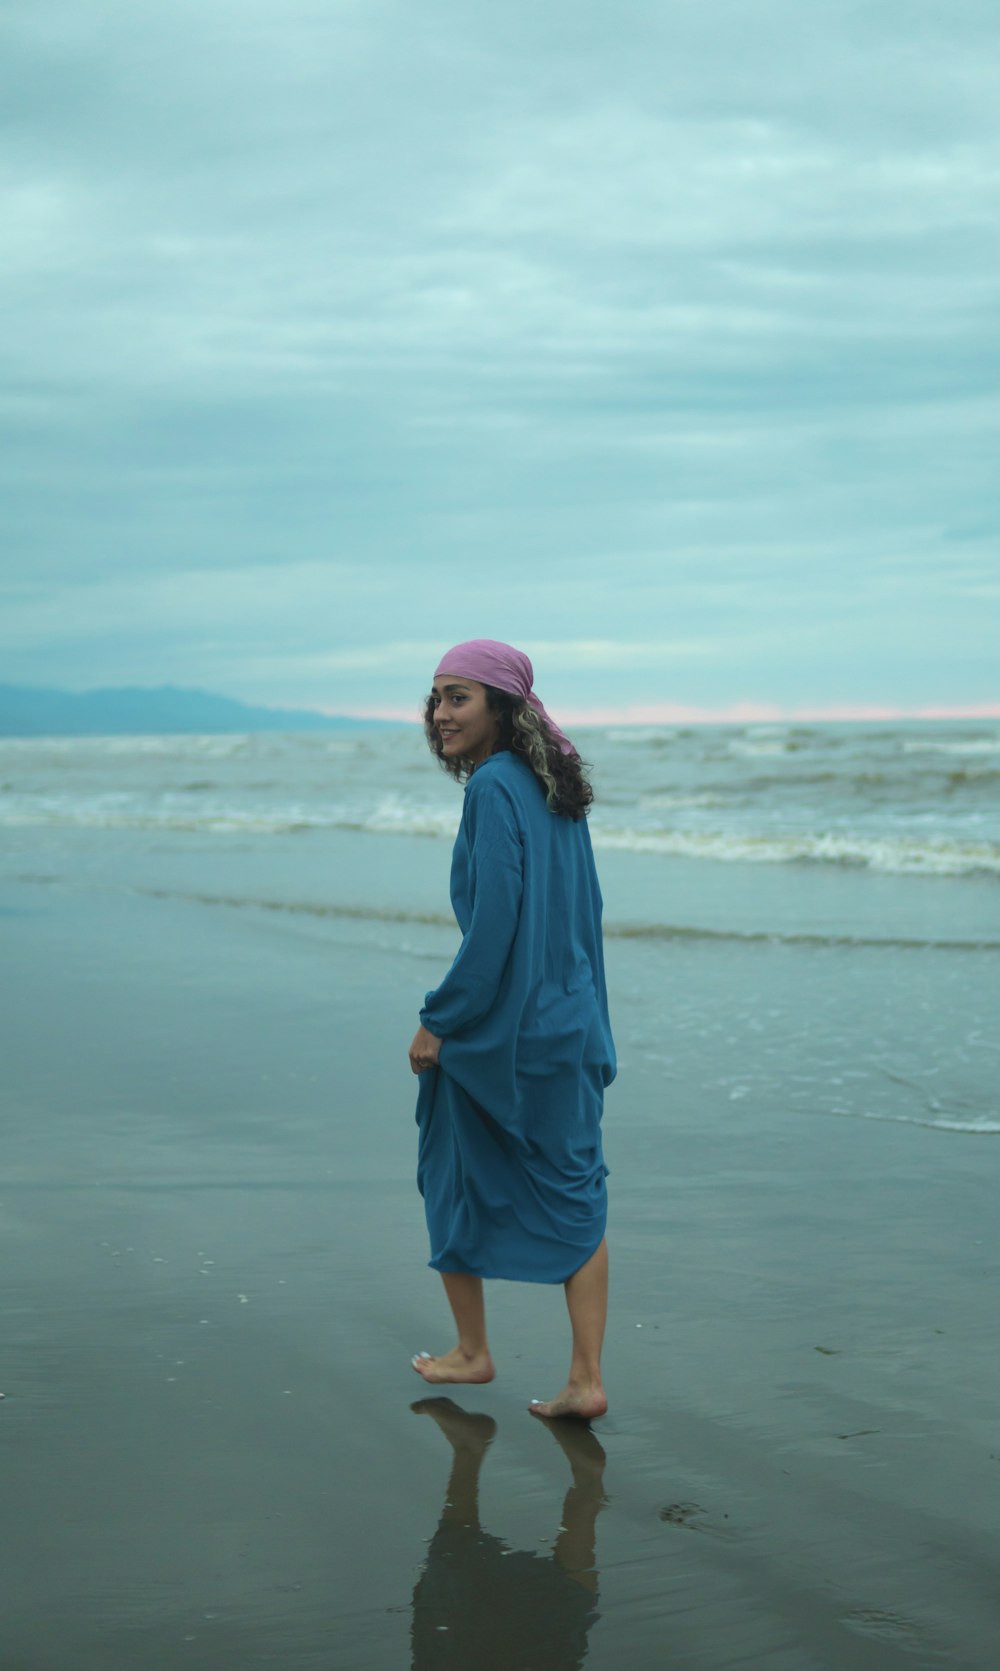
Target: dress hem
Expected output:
[444,1268]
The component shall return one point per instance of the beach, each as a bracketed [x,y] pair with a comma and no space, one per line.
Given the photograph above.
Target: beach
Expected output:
[215,1258]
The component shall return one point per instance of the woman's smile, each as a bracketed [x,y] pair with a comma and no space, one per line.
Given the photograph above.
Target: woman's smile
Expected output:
[474,735]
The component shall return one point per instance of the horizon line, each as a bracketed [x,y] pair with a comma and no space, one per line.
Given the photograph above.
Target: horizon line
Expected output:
[739,713]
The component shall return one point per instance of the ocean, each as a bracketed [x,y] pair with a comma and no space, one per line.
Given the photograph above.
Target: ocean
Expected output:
[872,851]
[906,799]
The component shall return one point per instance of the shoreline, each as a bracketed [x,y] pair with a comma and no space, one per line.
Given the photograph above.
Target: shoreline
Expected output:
[207,1121]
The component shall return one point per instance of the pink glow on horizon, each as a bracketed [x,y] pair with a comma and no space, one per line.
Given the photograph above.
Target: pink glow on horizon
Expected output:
[740,713]
[765,713]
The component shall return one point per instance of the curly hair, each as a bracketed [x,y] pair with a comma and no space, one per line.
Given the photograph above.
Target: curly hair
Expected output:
[522,731]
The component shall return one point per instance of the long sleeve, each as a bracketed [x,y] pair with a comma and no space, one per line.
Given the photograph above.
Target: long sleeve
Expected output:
[495,887]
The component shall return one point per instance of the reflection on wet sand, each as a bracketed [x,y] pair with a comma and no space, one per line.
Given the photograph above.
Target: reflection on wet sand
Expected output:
[480,1603]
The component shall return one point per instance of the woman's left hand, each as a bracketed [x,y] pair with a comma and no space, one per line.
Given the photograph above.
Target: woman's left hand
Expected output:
[424,1051]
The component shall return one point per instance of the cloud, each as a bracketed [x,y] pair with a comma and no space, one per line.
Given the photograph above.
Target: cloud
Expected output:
[331,330]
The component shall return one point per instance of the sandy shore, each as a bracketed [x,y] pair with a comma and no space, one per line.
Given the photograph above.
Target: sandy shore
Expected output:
[215,1277]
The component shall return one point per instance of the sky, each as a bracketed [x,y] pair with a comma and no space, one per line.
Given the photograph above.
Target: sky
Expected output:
[659,339]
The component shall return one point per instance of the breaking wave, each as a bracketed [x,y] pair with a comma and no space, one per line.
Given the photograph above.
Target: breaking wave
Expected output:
[902,854]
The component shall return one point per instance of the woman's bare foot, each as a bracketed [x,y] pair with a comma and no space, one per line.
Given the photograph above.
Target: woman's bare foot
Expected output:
[457,1367]
[581,1403]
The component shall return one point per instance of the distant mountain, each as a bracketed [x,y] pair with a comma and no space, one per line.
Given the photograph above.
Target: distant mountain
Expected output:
[31,711]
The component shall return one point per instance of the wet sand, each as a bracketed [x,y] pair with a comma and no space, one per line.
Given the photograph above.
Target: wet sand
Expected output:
[214,1279]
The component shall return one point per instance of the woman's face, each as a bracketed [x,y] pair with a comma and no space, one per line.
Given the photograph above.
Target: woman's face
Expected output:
[467,727]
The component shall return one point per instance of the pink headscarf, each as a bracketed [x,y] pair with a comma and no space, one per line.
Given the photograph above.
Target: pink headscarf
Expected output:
[503,667]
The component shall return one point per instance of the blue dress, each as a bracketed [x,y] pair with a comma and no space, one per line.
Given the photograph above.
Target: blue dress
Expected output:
[510,1163]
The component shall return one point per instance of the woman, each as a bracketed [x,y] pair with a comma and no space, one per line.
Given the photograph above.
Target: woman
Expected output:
[514,1046]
